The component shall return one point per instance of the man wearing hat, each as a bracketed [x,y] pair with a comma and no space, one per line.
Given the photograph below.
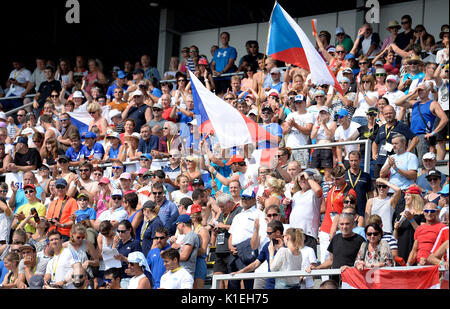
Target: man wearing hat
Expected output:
[238,167]
[415,65]
[344,132]
[241,233]
[429,164]
[30,265]
[136,109]
[299,126]
[157,111]
[115,213]
[93,150]
[343,39]
[25,158]
[274,128]
[188,246]
[393,94]
[24,211]
[60,211]
[277,83]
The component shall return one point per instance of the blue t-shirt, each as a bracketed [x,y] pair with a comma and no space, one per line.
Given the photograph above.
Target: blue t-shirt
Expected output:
[96,152]
[125,249]
[221,58]
[156,264]
[110,92]
[90,212]
[76,156]
[265,256]
[420,75]
[149,145]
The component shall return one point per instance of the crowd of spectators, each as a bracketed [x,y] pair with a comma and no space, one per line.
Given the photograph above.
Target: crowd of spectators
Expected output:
[143,200]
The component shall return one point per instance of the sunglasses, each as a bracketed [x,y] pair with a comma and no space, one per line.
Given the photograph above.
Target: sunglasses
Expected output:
[380,74]
[429,211]
[64,119]
[373,234]
[272,215]
[433,179]
[54,96]
[116,198]
[319,96]
[159,238]
[361,63]
[121,231]
[92,113]
[181,80]
[20,115]
[4,191]
[158,193]
[83,199]
[382,186]
[270,233]
[116,167]
[157,109]
[228,99]
[29,191]
[349,202]
[84,170]
[340,52]
[246,198]
[60,187]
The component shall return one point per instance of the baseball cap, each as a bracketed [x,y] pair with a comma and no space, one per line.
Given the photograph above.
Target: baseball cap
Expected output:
[194,208]
[433,173]
[90,135]
[324,108]
[380,71]
[342,112]
[203,61]
[183,219]
[414,190]
[149,204]
[125,176]
[36,282]
[142,171]
[429,156]
[21,139]
[117,192]
[347,70]
[349,56]
[121,74]
[104,180]
[114,134]
[138,71]
[267,108]
[253,111]
[114,113]
[393,78]
[157,105]
[275,70]
[299,98]
[61,182]
[27,246]
[444,190]
[273,92]
[318,92]
[235,159]
[137,92]
[198,181]
[30,186]
[248,193]
[146,156]
[82,195]
[340,30]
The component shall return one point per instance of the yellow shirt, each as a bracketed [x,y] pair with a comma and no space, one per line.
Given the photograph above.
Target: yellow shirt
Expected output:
[40,208]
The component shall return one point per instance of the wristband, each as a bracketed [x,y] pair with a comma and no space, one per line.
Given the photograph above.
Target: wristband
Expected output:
[339,162]
[432,132]
[412,220]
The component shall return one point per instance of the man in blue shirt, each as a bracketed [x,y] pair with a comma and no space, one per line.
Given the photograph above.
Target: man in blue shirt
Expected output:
[148,142]
[149,71]
[76,152]
[168,211]
[154,259]
[272,127]
[223,62]
[120,82]
[93,150]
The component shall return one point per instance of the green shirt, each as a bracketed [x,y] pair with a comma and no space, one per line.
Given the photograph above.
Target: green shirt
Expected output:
[40,208]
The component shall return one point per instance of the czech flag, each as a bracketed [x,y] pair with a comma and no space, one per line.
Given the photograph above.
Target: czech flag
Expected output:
[81,120]
[287,42]
[216,116]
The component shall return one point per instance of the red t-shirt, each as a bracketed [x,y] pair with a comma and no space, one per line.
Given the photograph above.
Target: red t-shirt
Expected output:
[334,203]
[426,235]
[441,238]
[166,114]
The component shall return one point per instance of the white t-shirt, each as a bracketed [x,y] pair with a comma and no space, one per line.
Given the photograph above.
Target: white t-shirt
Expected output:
[118,215]
[441,54]
[284,260]
[306,212]
[243,225]
[443,94]
[22,76]
[308,258]
[181,279]
[60,266]
[178,195]
[340,133]
[295,138]
[363,106]
[392,98]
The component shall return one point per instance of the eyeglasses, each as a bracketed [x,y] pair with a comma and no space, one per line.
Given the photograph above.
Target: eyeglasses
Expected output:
[228,99]
[165,128]
[433,179]
[158,193]
[28,191]
[361,63]
[382,186]
[373,234]
[116,198]
[319,96]
[429,211]
[64,119]
[60,187]
[366,82]
[181,80]
[349,202]
[270,233]
[83,199]
[84,170]
[20,115]
[54,96]
[116,167]
[272,215]
[122,231]
[159,238]
[380,74]
[340,52]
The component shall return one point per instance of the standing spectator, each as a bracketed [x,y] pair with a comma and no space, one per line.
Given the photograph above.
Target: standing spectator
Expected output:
[366,97]
[287,258]
[343,39]
[223,62]
[441,77]
[383,205]
[149,71]
[61,209]
[306,202]
[6,217]
[17,84]
[176,276]
[405,39]
[154,258]
[408,220]
[423,116]
[343,248]
[343,133]
[360,181]
[151,223]
[382,146]
[168,211]
[221,227]
[137,110]
[46,88]
[375,252]
[393,94]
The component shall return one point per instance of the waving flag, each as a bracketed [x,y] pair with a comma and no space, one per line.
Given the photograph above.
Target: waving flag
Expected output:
[81,120]
[229,125]
[287,42]
[391,278]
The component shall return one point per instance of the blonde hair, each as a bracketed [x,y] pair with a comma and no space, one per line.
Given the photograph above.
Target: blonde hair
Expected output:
[277,184]
[297,237]
[94,107]
[417,203]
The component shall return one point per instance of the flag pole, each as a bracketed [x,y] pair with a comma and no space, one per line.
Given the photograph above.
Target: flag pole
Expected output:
[264,66]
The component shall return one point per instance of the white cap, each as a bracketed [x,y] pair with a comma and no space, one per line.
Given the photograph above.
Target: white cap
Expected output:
[137,92]
[114,134]
[393,78]
[253,111]
[339,30]
[429,155]
[77,94]
[2,115]
[117,192]
[275,70]
[114,112]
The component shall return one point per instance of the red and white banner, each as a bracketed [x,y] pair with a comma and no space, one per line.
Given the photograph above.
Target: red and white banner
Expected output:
[418,278]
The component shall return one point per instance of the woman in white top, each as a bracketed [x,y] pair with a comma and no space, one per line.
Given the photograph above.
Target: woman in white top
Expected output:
[365,97]
[137,265]
[383,205]
[182,181]
[287,258]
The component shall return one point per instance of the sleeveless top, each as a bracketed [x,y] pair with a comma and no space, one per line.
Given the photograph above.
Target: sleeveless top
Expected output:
[113,153]
[134,282]
[383,208]
[82,255]
[417,124]
[104,245]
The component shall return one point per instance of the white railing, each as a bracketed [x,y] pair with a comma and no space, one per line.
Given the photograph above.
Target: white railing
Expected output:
[297,273]
[367,152]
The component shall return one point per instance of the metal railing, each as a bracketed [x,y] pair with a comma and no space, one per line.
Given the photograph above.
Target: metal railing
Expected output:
[12,111]
[297,273]
[367,152]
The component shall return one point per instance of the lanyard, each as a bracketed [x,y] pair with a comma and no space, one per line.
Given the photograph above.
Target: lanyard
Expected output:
[176,269]
[226,219]
[350,178]
[56,265]
[333,198]
[390,131]
[169,144]
[145,229]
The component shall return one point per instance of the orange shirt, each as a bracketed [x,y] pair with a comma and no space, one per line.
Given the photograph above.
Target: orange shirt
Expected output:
[54,210]
[334,203]
[119,106]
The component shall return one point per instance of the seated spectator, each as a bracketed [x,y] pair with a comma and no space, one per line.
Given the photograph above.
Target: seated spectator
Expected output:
[76,151]
[28,215]
[11,261]
[30,265]
[169,140]
[388,237]
[434,178]
[375,252]
[130,151]
[95,110]
[129,128]
[51,151]
[148,141]
[25,158]
[137,110]
[138,270]
[93,151]
[343,133]
[176,277]
[115,147]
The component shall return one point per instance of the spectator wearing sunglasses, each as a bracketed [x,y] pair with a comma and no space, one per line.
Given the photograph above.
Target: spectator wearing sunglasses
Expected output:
[425,235]
[116,213]
[24,211]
